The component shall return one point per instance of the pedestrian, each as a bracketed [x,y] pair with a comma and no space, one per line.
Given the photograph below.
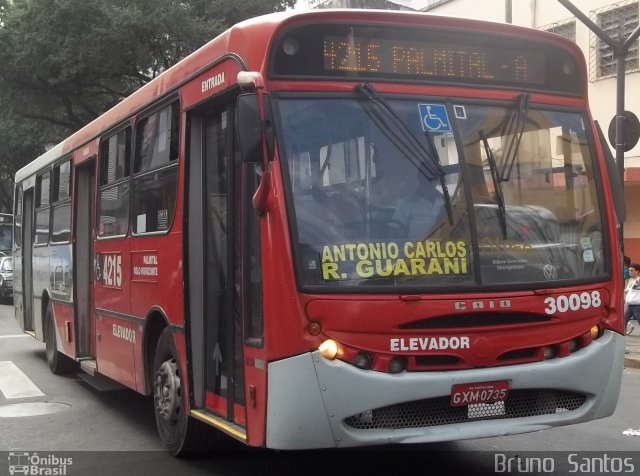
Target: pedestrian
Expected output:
[625,269]
[632,297]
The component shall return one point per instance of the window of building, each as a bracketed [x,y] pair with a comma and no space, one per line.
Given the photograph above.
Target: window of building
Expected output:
[618,21]
[113,202]
[41,224]
[155,179]
[61,223]
[566,29]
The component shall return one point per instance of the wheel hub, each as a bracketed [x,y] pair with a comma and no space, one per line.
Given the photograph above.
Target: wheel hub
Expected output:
[166,391]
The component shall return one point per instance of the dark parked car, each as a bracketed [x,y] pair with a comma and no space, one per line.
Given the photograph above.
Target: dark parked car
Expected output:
[6,276]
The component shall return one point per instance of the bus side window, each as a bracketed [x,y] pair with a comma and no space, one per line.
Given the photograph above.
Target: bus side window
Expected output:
[61,223]
[113,202]
[155,179]
[17,220]
[41,223]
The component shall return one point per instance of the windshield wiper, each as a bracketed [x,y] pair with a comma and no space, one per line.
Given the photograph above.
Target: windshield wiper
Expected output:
[515,128]
[497,185]
[403,139]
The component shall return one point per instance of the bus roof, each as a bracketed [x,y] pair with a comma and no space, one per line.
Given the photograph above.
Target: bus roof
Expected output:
[250,41]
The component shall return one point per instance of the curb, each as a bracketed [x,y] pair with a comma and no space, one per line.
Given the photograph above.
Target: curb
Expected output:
[631,363]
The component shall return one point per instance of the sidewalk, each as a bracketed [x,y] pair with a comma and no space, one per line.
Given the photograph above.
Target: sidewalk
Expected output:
[632,358]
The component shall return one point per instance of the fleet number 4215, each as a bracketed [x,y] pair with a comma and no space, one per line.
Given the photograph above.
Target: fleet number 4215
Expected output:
[572,302]
[112,270]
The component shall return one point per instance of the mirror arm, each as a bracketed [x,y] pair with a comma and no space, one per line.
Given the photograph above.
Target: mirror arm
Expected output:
[260,199]
[263,130]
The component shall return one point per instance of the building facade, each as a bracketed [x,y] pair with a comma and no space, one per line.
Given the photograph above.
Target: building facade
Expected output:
[617,18]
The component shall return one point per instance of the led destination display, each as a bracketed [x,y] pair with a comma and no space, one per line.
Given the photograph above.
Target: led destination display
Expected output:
[425,55]
[432,60]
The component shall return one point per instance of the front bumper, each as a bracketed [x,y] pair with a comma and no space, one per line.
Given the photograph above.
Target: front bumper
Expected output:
[313,402]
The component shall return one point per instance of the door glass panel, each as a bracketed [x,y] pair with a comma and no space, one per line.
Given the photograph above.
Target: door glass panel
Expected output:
[216,246]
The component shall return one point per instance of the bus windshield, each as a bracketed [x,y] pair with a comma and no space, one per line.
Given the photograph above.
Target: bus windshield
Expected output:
[6,237]
[426,192]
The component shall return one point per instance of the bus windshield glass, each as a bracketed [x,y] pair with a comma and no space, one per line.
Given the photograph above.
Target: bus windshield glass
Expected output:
[409,193]
[6,234]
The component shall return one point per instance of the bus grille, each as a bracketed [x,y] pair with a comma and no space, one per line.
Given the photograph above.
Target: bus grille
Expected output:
[437,411]
[476,319]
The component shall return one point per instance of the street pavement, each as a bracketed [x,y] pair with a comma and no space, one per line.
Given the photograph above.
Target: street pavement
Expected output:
[632,353]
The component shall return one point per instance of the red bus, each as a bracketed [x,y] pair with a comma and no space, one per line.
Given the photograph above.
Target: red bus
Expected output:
[335,229]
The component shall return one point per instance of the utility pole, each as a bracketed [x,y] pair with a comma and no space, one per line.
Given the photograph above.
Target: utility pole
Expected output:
[508,9]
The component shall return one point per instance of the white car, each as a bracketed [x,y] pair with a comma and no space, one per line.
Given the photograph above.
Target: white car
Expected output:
[6,276]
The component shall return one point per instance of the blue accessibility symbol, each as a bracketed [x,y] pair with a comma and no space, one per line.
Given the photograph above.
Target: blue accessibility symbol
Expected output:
[434,118]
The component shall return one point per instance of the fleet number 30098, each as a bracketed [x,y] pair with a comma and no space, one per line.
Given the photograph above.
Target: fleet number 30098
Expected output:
[572,302]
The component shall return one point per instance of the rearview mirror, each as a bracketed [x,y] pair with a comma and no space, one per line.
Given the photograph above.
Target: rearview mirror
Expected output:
[249,128]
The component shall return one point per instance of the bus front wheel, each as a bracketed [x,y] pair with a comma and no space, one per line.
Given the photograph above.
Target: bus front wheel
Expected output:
[58,362]
[179,432]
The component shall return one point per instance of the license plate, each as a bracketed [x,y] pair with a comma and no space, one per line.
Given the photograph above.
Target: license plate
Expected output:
[481,392]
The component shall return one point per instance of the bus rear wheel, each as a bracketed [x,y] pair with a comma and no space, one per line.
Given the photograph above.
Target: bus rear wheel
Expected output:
[179,433]
[58,362]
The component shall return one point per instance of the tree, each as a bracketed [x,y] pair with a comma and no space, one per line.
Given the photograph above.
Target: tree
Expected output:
[65,62]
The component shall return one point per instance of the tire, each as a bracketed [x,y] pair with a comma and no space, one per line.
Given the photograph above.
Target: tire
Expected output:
[58,362]
[179,433]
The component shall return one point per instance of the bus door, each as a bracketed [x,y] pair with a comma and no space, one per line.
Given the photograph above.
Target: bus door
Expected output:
[27,258]
[215,271]
[83,255]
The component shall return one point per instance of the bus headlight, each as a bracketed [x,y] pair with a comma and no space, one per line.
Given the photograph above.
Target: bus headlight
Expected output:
[329,349]
[574,345]
[362,360]
[397,365]
[549,353]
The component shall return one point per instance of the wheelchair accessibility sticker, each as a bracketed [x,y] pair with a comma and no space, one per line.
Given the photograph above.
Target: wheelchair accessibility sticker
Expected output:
[434,118]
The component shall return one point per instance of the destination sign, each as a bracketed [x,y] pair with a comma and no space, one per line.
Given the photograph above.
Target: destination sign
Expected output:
[432,60]
[353,52]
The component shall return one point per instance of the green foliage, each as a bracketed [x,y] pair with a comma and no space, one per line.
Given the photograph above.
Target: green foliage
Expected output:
[64,62]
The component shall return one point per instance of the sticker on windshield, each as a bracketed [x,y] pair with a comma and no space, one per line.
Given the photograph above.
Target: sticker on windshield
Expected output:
[587,256]
[587,250]
[434,118]
[460,112]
